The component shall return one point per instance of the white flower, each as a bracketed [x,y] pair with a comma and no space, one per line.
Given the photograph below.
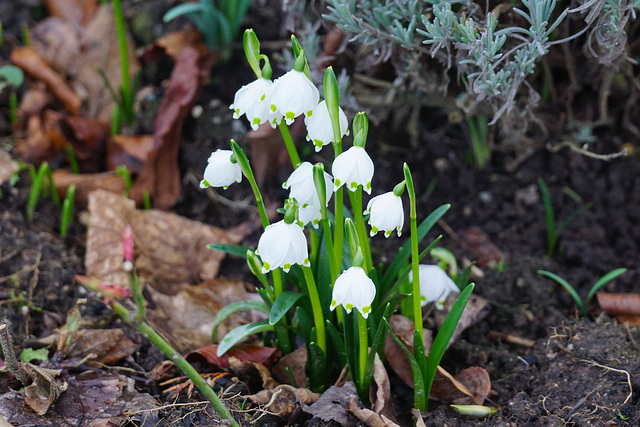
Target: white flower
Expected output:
[386,214]
[282,245]
[292,95]
[309,214]
[354,289]
[220,172]
[303,188]
[251,100]
[319,128]
[435,285]
[353,167]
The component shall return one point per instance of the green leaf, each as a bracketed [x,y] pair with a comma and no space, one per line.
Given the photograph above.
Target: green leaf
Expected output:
[317,367]
[282,304]
[228,310]
[566,286]
[603,281]
[405,251]
[305,324]
[237,250]
[241,332]
[183,9]
[28,354]
[444,335]
[338,343]
[419,396]
[12,74]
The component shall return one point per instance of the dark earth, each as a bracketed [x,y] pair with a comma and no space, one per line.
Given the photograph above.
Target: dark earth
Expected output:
[581,371]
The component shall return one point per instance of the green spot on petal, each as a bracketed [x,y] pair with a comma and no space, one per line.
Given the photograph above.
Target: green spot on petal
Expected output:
[337,182]
[266,265]
[205,183]
[388,233]
[290,115]
[263,97]
[334,303]
[287,266]
[273,108]
[349,306]
[354,185]
[306,261]
[237,112]
[256,121]
[309,113]
[374,229]
[366,309]
[369,185]
[318,143]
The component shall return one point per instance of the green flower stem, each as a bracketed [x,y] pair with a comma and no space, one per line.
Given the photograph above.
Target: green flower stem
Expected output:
[281,332]
[415,254]
[363,352]
[288,142]
[326,229]
[127,98]
[155,338]
[138,298]
[338,238]
[314,243]
[358,219]
[316,307]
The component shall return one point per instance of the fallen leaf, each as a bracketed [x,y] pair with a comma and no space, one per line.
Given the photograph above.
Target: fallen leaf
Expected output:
[43,140]
[333,405]
[369,417]
[33,102]
[173,43]
[131,151]
[171,250]
[32,64]
[296,363]
[160,176]
[44,390]
[88,139]
[283,399]
[245,353]
[418,416]
[7,166]
[475,310]
[188,316]
[488,254]
[619,304]
[469,387]
[92,399]
[87,183]
[75,11]
[59,42]
[380,392]
[248,371]
[107,345]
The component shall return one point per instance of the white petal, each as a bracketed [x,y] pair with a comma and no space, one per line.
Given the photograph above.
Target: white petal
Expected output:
[220,172]
[293,94]
[354,289]
[319,127]
[303,188]
[435,284]
[353,166]
[283,245]
[386,213]
[249,95]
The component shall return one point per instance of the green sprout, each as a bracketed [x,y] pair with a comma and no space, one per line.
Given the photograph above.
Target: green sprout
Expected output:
[67,210]
[554,230]
[583,305]
[73,160]
[479,134]
[37,187]
[218,21]
[123,171]
[125,110]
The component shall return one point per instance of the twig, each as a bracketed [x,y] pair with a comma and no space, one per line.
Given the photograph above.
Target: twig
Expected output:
[10,356]
[621,371]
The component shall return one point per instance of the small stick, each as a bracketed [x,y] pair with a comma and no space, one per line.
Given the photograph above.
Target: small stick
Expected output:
[10,356]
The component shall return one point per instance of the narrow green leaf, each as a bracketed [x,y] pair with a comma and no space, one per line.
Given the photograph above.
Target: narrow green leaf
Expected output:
[241,332]
[566,286]
[603,281]
[338,343]
[182,9]
[282,304]
[444,335]
[305,324]
[317,365]
[228,310]
[237,250]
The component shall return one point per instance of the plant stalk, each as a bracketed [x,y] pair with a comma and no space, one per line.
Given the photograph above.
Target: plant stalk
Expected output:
[316,307]
[288,142]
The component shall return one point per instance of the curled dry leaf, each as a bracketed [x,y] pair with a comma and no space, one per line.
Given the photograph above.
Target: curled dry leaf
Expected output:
[244,353]
[250,371]
[86,183]
[171,250]
[475,310]
[380,392]
[488,254]
[369,417]
[44,390]
[35,66]
[59,42]
[43,139]
[77,12]
[334,404]
[296,363]
[7,166]
[188,316]
[107,345]
[131,151]
[283,399]
[160,176]
[619,304]
[88,139]
[173,43]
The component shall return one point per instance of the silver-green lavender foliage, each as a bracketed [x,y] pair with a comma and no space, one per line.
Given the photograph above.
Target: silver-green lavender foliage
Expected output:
[494,61]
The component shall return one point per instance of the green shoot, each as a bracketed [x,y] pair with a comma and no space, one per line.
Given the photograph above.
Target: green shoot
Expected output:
[554,230]
[26,36]
[37,183]
[73,160]
[67,210]
[583,305]
[127,112]
[479,134]
[123,172]
[13,109]
[146,201]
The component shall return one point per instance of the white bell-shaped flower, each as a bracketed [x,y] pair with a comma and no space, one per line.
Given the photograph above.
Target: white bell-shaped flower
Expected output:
[220,171]
[354,289]
[353,167]
[303,188]
[319,128]
[251,100]
[386,213]
[283,245]
[291,95]
[310,214]
[435,285]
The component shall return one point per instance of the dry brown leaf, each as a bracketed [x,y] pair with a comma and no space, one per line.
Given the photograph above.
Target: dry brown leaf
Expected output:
[108,345]
[33,102]
[171,250]
[32,64]
[369,417]
[131,151]
[619,304]
[88,138]
[44,390]
[249,371]
[43,140]
[418,416]
[7,166]
[283,399]
[296,362]
[487,253]
[333,405]
[160,176]
[173,43]
[188,316]
[59,43]
[86,183]
[469,387]
[245,353]
[475,310]
[380,392]
[77,12]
